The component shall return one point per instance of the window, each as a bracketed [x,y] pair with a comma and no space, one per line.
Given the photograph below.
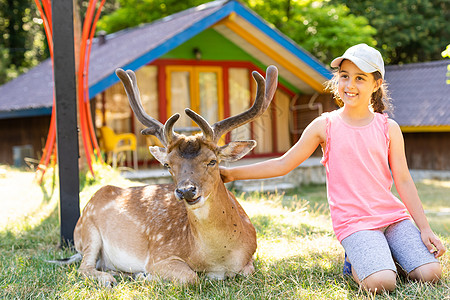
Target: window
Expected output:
[197,87]
[239,86]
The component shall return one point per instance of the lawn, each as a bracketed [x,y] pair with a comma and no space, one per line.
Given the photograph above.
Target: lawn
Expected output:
[298,256]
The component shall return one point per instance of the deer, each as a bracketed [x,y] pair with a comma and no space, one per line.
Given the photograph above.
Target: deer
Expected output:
[174,231]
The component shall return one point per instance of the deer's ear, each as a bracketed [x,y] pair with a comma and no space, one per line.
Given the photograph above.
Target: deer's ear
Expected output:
[235,150]
[159,153]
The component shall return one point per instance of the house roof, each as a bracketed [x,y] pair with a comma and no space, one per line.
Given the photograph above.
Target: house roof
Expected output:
[32,92]
[420,95]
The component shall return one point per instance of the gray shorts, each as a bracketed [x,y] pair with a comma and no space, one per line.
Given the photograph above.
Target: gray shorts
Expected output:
[370,251]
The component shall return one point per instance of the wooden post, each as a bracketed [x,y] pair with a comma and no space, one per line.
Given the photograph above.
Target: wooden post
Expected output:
[66,117]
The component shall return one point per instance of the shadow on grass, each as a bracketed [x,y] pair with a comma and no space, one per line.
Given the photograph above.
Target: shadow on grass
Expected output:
[24,274]
[268,227]
[48,192]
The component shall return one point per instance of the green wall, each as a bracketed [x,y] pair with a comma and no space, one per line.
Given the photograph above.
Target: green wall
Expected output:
[215,46]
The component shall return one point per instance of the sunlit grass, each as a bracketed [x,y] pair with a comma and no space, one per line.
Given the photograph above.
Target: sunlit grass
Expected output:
[297,257]
[435,197]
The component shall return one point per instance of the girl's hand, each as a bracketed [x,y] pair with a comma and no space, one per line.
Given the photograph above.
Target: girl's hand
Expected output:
[225,174]
[433,243]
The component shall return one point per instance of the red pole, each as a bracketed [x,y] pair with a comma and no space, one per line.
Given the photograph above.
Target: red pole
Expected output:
[81,80]
[49,149]
[86,84]
[86,125]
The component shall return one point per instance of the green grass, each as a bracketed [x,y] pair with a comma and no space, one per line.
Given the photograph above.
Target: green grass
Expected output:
[298,256]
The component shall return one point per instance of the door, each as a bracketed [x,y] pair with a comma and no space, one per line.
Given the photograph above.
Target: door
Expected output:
[196,87]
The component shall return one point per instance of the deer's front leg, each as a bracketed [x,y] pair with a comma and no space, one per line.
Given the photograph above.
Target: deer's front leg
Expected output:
[248,269]
[172,268]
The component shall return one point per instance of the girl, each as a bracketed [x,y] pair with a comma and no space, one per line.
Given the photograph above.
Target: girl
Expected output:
[359,144]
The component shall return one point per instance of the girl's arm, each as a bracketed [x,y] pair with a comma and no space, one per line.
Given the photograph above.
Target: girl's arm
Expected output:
[407,189]
[312,136]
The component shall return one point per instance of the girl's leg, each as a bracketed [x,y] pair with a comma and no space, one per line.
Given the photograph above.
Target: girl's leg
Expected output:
[411,254]
[372,265]
[431,272]
[380,281]
[384,280]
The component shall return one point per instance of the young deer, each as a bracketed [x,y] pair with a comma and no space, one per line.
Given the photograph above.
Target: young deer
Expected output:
[172,231]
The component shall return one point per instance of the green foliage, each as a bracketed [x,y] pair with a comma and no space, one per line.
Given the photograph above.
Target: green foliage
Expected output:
[404,31]
[22,38]
[407,30]
[323,29]
[134,12]
[23,43]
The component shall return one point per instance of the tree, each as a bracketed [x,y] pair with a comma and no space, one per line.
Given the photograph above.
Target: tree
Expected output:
[407,30]
[324,30]
[22,40]
[134,12]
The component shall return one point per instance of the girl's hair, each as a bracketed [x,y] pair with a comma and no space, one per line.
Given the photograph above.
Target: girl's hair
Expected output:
[380,100]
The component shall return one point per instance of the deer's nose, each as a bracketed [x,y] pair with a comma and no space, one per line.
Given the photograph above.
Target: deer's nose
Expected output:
[188,192]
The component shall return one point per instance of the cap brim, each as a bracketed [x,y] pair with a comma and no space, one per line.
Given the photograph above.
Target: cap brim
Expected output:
[361,64]
[336,62]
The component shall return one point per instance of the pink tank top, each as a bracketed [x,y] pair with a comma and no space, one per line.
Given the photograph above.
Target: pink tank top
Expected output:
[358,177]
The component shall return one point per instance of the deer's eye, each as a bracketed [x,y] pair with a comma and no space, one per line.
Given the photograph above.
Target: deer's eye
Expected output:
[212,163]
[166,165]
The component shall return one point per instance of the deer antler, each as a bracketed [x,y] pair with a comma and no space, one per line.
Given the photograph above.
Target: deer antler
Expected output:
[169,134]
[163,132]
[265,91]
[207,130]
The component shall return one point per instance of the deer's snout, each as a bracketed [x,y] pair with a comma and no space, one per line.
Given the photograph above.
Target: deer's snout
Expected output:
[187,192]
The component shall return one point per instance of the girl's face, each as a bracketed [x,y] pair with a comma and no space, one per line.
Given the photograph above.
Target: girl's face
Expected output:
[355,87]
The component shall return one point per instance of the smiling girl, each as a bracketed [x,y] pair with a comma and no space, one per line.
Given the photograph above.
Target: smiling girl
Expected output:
[361,147]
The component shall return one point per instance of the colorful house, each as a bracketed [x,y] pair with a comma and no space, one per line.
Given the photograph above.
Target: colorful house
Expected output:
[200,58]
[203,58]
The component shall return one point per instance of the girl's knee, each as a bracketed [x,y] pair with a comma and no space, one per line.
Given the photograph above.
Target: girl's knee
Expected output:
[431,272]
[382,281]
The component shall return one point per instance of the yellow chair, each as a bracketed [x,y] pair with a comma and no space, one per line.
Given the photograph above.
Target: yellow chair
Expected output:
[115,143]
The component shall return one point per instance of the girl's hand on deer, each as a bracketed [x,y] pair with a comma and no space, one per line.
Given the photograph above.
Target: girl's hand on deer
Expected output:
[225,174]
[433,243]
